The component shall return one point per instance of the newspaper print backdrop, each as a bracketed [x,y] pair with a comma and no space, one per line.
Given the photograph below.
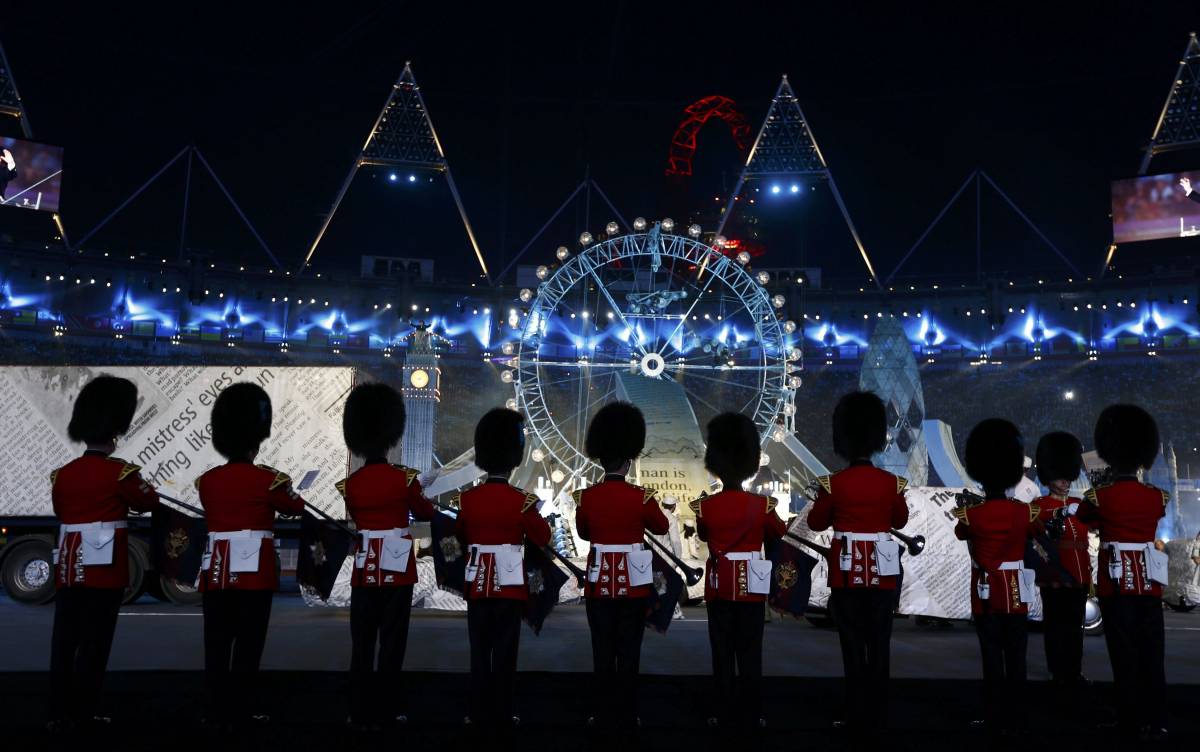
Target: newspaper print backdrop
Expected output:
[936,583]
[171,437]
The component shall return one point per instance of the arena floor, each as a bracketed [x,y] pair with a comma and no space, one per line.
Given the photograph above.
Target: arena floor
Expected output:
[154,676]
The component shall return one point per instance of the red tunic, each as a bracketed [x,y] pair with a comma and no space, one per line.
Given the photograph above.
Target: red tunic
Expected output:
[996,531]
[241,496]
[616,513]
[492,514]
[380,496]
[1072,547]
[97,488]
[859,499]
[733,522]
[1127,511]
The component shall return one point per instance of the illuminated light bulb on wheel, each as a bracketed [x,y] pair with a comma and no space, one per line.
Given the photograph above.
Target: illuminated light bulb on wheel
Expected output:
[542,272]
[537,455]
[779,434]
[639,224]
[794,382]
[612,228]
[743,257]
[694,231]
[789,409]
[557,476]
[510,403]
[763,459]
[506,377]
[526,295]
[562,252]
[585,238]
[719,241]
[789,326]
[779,301]
[668,225]
[763,277]
[507,348]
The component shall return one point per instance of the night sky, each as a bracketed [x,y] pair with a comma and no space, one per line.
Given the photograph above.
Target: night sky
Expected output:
[905,102]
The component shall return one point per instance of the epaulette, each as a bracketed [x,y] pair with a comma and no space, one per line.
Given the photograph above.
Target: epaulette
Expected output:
[341,486]
[647,495]
[53,477]
[456,502]
[409,473]
[694,505]
[772,502]
[960,514]
[577,496]
[196,482]
[127,468]
[1166,495]
[1034,511]
[531,501]
[1090,497]
[826,482]
[901,484]
[281,478]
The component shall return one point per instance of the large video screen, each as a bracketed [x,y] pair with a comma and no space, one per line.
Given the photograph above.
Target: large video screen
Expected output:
[30,174]
[1156,206]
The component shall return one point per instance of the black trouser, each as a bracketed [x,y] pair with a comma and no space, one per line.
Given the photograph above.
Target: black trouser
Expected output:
[378,615]
[1062,629]
[617,625]
[235,631]
[494,626]
[735,634]
[84,622]
[1003,639]
[864,622]
[1133,629]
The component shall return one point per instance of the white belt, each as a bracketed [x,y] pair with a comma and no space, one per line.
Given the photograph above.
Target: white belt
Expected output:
[242,534]
[873,537]
[396,531]
[1128,546]
[83,526]
[1009,565]
[497,549]
[743,555]
[625,548]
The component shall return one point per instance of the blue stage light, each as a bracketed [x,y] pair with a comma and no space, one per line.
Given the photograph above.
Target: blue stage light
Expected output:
[392,177]
[795,188]
[412,178]
[775,189]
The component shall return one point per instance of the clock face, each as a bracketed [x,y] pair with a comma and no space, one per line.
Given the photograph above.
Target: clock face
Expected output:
[419,378]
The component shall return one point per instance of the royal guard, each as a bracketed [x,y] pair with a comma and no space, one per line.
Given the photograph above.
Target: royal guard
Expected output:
[996,530]
[615,516]
[238,576]
[1131,572]
[737,576]
[1064,578]
[862,504]
[494,522]
[92,498]
[380,499]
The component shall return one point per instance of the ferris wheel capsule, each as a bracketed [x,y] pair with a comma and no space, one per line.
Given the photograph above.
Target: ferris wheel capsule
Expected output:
[639,224]
[612,228]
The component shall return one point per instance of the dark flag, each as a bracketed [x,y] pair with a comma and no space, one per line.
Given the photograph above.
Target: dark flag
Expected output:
[1042,556]
[791,578]
[324,546]
[545,581]
[177,543]
[449,563]
[664,594]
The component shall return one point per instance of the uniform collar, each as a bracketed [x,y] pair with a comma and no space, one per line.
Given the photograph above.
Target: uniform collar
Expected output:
[376,461]
[1063,497]
[861,462]
[1132,478]
[497,479]
[614,477]
[94,453]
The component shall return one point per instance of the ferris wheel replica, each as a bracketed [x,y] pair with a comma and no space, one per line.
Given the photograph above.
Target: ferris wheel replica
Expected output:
[651,304]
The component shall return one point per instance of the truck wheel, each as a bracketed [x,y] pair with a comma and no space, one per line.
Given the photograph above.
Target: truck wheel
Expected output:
[28,573]
[139,562]
[176,592]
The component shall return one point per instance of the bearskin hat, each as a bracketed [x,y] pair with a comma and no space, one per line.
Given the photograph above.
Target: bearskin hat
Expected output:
[1126,438]
[103,410]
[373,421]
[995,454]
[733,448]
[1059,457]
[241,420]
[617,434]
[859,426]
[499,441]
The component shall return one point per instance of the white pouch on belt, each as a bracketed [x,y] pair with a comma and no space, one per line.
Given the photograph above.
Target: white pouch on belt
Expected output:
[97,546]
[394,551]
[1027,583]
[887,558]
[244,554]
[641,569]
[759,576]
[510,567]
[1156,564]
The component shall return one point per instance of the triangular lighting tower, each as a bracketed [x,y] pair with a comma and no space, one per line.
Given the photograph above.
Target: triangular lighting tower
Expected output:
[785,147]
[403,136]
[1178,124]
[10,99]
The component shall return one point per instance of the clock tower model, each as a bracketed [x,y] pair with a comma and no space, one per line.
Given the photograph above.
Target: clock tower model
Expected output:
[422,384]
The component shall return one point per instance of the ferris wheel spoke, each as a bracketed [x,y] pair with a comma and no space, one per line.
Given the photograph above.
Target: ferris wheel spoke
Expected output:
[617,310]
[691,308]
[754,388]
[700,399]
[566,380]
